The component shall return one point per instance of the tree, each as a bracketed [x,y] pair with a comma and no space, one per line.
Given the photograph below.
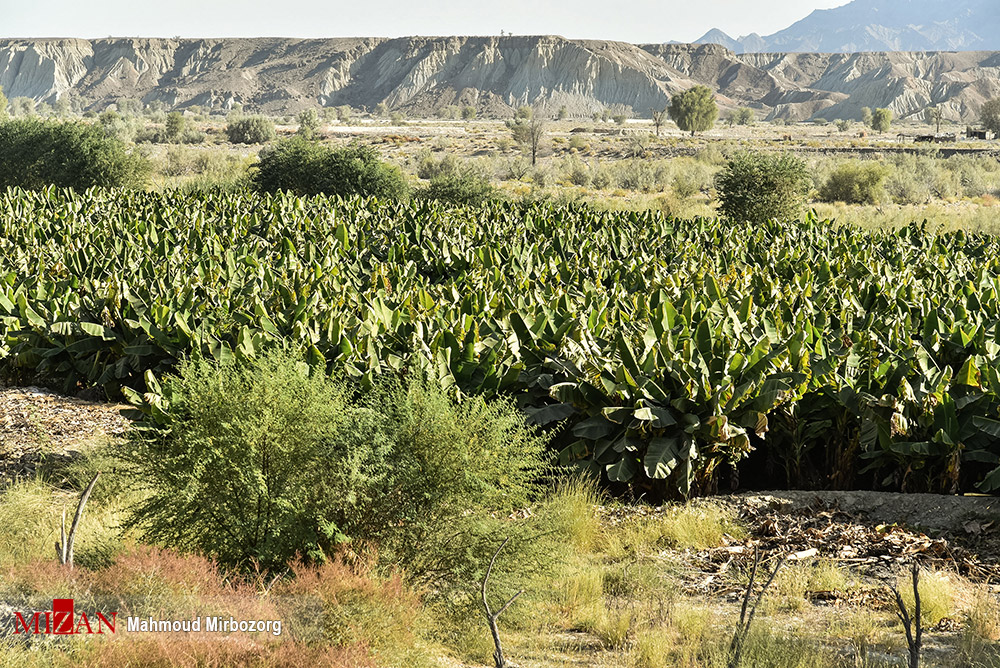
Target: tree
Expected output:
[743,116]
[22,106]
[344,113]
[307,168]
[694,110]
[250,130]
[175,125]
[881,120]
[129,105]
[68,155]
[659,118]
[528,129]
[308,123]
[563,113]
[3,105]
[63,106]
[757,187]
[866,116]
[934,115]
[468,113]
[989,115]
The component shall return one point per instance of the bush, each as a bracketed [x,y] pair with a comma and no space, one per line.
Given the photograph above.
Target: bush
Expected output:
[855,183]
[757,187]
[260,460]
[464,186]
[305,168]
[69,155]
[250,130]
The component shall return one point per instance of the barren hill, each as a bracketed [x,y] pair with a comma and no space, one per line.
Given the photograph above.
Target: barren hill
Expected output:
[881,25]
[494,74]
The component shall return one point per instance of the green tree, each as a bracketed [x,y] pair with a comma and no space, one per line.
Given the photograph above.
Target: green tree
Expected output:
[743,116]
[250,130]
[22,106]
[563,113]
[3,106]
[757,187]
[129,105]
[934,115]
[308,123]
[70,155]
[258,461]
[175,126]
[866,116]
[468,113]
[881,120]
[307,168]
[344,113]
[528,130]
[63,106]
[694,110]
[989,115]
[856,183]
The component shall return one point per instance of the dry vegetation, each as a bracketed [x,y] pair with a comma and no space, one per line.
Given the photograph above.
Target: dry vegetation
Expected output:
[637,587]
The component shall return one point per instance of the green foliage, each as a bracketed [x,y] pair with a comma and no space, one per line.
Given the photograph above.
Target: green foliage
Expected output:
[22,106]
[743,116]
[308,123]
[659,351]
[757,187]
[856,183]
[843,125]
[462,186]
[881,120]
[528,130]
[989,115]
[306,168]
[250,130]
[468,113]
[175,125]
[694,110]
[262,460]
[4,114]
[866,116]
[70,155]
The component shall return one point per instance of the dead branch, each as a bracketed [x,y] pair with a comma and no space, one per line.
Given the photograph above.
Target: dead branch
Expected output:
[492,617]
[64,547]
[912,626]
[743,628]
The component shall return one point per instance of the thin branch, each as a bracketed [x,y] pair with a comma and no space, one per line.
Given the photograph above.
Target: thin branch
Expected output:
[743,628]
[492,617]
[67,543]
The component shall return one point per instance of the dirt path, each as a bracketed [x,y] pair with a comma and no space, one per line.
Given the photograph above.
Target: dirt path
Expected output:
[35,422]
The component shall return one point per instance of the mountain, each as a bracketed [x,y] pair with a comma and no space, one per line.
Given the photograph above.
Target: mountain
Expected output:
[881,25]
[420,75]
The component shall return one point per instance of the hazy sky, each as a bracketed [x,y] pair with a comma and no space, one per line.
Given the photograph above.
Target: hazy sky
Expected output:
[628,20]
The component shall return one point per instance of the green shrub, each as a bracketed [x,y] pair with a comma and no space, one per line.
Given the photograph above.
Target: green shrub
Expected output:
[70,155]
[261,460]
[250,130]
[758,187]
[465,186]
[308,123]
[306,168]
[856,183]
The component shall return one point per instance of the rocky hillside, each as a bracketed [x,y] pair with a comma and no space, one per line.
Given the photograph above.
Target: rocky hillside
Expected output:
[494,74]
[881,25]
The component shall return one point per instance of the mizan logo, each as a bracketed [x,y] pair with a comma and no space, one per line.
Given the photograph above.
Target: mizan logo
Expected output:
[64,620]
